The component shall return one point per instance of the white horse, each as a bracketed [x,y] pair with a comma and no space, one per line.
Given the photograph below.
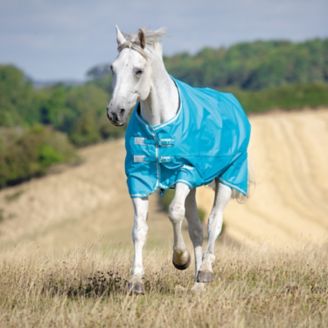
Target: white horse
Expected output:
[139,75]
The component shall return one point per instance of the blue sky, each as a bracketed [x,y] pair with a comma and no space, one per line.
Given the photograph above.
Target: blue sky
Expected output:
[58,39]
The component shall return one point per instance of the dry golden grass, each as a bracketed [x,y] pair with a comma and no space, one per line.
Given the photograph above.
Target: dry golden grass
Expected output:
[65,245]
[84,288]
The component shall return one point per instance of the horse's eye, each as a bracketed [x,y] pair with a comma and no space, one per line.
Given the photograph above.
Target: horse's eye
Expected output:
[138,72]
[112,68]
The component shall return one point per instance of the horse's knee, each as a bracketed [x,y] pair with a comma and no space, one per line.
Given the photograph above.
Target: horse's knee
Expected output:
[176,212]
[140,228]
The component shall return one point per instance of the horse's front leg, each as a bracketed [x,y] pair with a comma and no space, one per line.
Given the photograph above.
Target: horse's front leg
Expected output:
[181,256]
[139,234]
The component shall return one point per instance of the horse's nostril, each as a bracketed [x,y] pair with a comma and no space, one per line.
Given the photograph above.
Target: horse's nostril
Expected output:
[122,110]
[114,117]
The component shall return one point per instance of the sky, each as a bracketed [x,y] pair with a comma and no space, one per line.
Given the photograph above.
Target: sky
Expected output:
[62,39]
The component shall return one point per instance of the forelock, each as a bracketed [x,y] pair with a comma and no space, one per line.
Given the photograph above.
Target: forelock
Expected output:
[151,36]
[133,42]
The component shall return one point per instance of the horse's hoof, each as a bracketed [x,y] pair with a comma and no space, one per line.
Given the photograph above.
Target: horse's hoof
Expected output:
[205,276]
[136,288]
[181,259]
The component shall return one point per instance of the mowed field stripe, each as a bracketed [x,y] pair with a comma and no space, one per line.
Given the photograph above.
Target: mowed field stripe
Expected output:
[287,152]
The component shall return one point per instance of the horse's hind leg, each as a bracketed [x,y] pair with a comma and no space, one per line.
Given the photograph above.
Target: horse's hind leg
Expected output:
[221,199]
[195,228]
[181,256]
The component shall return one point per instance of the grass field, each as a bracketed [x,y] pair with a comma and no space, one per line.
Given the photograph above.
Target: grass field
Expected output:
[87,288]
[65,245]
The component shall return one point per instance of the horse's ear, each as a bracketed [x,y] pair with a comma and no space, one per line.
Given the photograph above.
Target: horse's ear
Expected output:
[142,38]
[119,36]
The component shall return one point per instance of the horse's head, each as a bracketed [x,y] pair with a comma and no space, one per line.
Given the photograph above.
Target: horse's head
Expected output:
[131,70]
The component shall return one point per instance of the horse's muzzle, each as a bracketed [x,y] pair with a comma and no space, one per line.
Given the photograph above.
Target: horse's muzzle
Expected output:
[114,119]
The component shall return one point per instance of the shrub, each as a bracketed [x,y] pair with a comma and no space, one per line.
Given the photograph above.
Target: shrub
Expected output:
[26,153]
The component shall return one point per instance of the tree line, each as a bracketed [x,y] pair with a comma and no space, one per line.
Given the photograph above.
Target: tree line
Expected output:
[247,66]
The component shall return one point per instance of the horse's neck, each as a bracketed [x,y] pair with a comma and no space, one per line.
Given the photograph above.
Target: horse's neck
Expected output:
[163,101]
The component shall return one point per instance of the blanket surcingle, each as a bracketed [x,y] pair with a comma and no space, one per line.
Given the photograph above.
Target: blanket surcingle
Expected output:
[207,139]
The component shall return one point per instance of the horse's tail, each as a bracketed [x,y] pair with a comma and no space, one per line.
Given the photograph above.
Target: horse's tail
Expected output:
[238,196]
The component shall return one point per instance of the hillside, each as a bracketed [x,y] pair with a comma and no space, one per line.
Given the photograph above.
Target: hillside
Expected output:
[84,205]
[65,243]
[288,205]
[89,203]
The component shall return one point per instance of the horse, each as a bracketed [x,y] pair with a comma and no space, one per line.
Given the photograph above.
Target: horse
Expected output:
[177,137]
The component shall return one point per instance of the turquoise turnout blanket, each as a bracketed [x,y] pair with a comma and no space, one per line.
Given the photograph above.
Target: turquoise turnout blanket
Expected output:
[207,139]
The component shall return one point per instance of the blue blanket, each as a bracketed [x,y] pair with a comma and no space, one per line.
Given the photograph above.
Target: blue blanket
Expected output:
[207,139]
